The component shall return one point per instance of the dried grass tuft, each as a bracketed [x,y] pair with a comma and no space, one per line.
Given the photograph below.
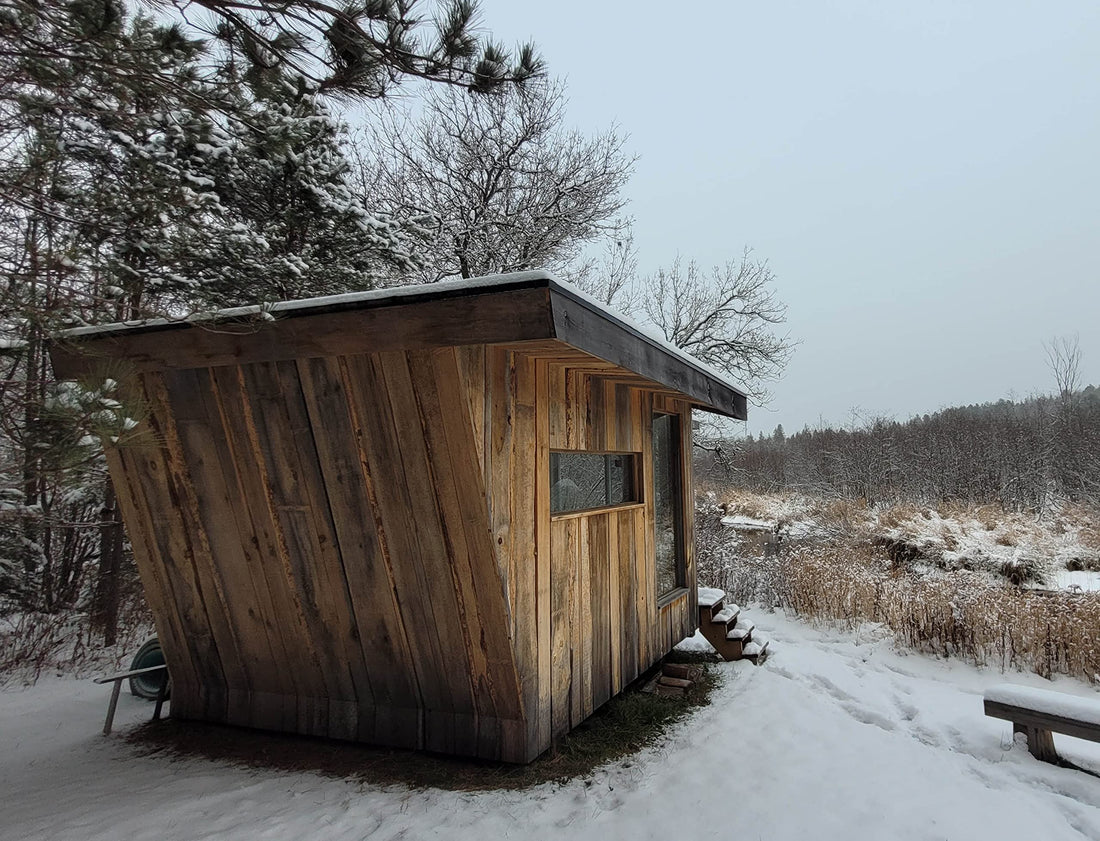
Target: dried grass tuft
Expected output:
[957,615]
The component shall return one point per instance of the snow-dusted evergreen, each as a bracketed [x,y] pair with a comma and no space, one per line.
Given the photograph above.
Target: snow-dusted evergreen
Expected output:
[147,168]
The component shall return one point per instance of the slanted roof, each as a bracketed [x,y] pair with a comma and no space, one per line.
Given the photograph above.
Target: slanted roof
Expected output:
[523,307]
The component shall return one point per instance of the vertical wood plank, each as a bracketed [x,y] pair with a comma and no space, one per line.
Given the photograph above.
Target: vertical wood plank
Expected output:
[501,376]
[596,414]
[455,560]
[628,596]
[263,544]
[563,536]
[610,427]
[382,644]
[461,497]
[614,587]
[249,615]
[125,466]
[472,382]
[557,407]
[524,503]
[441,623]
[300,505]
[690,619]
[600,608]
[542,545]
[582,623]
[648,535]
[645,560]
[391,500]
[575,410]
[200,609]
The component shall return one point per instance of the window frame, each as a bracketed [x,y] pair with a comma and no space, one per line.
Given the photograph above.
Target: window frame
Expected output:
[676,462]
[637,475]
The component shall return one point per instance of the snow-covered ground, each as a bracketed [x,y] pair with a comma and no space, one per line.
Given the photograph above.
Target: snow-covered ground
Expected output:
[837,736]
[1082,581]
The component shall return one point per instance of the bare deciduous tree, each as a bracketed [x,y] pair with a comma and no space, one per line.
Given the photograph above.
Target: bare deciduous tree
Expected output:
[725,317]
[1064,359]
[509,188]
[612,276]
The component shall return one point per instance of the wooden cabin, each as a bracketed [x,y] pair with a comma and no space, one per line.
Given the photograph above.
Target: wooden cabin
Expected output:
[453,517]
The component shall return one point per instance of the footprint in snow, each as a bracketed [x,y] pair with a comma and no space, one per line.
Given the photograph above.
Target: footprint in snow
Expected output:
[866,716]
[831,688]
[907,710]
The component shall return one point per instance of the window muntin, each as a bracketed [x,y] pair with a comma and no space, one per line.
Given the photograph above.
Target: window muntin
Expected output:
[580,481]
[668,506]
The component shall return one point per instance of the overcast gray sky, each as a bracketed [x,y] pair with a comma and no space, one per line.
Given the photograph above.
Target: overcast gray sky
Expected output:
[922,177]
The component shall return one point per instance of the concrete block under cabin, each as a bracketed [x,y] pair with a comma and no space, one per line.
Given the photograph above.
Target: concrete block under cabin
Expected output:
[454,517]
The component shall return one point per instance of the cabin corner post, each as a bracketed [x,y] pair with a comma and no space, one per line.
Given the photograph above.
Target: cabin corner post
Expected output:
[543,552]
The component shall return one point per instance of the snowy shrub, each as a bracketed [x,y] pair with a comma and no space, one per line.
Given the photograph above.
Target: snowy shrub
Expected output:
[947,581]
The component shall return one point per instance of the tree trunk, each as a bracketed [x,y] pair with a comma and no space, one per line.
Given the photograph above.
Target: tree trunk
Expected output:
[105,602]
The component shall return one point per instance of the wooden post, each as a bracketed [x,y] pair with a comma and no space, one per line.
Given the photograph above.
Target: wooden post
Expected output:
[1040,742]
[161,694]
[111,708]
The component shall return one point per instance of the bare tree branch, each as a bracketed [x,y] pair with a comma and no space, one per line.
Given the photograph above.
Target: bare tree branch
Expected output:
[508,187]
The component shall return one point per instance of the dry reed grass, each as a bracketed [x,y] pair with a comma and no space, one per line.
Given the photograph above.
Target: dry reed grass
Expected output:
[748,504]
[957,615]
[880,565]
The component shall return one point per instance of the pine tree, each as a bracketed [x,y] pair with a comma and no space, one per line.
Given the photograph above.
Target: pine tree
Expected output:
[128,194]
[293,226]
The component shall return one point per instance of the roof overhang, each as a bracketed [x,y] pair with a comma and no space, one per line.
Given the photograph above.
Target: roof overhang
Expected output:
[502,309]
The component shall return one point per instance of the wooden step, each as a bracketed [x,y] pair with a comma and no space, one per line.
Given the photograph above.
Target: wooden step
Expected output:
[685,671]
[741,632]
[710,596]
[727,615]
[711,602]
[755,651]
[681,683]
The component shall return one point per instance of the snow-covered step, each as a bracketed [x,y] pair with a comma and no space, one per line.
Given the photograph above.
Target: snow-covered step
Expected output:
[710,596]
[755,651]
[726,615]
[742,631]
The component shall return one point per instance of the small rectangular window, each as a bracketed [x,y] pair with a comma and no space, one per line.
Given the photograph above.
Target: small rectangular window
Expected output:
[579,481]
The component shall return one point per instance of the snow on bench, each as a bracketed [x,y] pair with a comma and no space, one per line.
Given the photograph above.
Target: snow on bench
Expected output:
[1038,713]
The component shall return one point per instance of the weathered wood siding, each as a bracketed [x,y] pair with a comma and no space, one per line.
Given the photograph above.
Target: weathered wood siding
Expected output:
[313,539]
[606,624]
[360,546]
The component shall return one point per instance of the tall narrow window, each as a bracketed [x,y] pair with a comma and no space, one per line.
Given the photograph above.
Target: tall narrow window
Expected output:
[668,503]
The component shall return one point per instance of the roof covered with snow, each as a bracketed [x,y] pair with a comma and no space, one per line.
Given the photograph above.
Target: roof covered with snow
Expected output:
[506,308]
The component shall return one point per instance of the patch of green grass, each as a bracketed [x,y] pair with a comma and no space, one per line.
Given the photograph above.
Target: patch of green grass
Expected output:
[622,727]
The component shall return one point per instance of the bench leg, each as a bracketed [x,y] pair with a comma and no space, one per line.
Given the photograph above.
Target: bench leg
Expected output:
[111,708]
[1040,743]
[160,696]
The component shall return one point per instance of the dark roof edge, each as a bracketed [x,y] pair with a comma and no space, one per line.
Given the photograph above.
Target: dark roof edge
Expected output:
[577,319]
[711,388]
[391,296]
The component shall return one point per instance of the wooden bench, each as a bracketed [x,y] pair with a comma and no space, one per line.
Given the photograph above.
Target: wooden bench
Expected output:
[121,676]
[1039,713]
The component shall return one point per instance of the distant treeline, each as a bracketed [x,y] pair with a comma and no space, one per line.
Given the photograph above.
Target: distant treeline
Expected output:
[1024,455]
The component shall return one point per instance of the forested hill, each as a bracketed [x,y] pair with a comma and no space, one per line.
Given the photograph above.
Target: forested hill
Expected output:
[1023,454]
